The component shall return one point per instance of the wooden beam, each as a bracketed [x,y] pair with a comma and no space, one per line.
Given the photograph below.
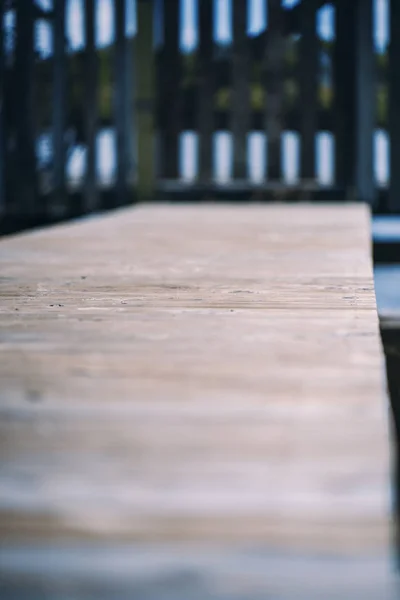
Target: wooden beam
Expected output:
[240,115]
[120,100]
[365,103]
[26,188]
[274,78]
[394,110]
[3,133]
[205,106]
[91,91]
[58,206]
[308,78]
[144,99]
[130,116]
[170,88]
[345,99]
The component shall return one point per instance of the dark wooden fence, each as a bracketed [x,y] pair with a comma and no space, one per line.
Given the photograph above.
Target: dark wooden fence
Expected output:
[144,88]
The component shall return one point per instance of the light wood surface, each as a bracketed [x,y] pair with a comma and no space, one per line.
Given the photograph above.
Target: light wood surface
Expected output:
[195,375]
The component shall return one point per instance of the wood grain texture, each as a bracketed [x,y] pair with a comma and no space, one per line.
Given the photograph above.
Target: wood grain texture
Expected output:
[177,374]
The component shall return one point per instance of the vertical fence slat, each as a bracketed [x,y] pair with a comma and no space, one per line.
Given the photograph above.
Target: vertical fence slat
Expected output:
[25,172]
[344,103]
[205,91]
[130,121]
[91,70]
[144,99]
[2,119]
[240,89]
[308,78]
[274,72]
[170,90]
[366,102]
[394,107]
[120,99]
[59,106]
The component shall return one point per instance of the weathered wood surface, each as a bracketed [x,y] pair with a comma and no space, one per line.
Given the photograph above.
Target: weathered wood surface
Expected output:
[183,375]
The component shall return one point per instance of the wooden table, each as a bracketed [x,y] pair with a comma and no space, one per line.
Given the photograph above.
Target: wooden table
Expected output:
[194,398]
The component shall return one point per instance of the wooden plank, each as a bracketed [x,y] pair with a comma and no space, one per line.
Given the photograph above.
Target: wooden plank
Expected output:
[308,76]
[120,99]
[394,116]
[197,379]
[366,103]
[91,196]
[274,78]
[344,82]
[144,100]
[206,91]
[170,82]
[240,118]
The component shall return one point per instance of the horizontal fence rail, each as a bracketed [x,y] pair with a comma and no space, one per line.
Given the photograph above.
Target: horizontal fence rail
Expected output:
[103,102]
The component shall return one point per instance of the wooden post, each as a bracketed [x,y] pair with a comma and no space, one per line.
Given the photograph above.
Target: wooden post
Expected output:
[205,92]
[394,107]
[170,90]
[344,85]
[59,108]
[144,100]
[274,65]
[91,69]
[2,119]
[240,90]
[25,172]
[308,86]
[120,100]
[365,102]
[130,119]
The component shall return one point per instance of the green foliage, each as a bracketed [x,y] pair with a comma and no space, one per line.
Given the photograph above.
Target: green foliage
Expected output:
[190,79]
[292,53]
[291,92]
[325,96]
[382,104]
[223,99]
[105,84]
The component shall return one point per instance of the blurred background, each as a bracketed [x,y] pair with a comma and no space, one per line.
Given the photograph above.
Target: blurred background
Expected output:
[104,102]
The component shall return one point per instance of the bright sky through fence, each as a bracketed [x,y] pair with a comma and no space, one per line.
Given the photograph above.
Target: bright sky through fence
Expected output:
[257,21]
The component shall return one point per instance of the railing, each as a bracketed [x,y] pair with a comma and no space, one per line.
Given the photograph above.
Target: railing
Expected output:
[147,94]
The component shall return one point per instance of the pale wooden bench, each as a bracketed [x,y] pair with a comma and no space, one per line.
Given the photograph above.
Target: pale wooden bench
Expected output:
[193,405]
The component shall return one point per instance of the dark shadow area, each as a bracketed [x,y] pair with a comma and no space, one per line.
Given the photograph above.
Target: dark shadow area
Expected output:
[391,343]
